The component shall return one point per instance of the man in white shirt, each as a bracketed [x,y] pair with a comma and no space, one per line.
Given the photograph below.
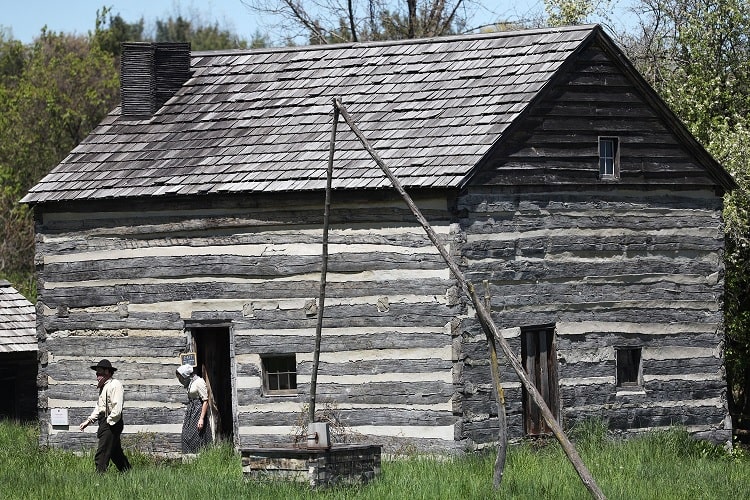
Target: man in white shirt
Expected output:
[108,412]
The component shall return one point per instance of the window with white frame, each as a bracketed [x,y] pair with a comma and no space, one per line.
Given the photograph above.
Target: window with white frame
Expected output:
[609,158]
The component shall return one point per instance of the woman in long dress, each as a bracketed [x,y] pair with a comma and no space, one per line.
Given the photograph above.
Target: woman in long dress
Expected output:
[196,428]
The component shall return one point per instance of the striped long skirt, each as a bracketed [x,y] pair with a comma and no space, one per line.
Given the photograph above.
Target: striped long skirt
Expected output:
[192,439]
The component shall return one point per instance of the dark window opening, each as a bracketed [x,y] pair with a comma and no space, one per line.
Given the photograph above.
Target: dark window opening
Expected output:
[609,158]
[629,367]
[280,374]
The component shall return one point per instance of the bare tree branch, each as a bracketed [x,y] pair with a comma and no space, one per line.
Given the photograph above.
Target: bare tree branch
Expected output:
[352,23]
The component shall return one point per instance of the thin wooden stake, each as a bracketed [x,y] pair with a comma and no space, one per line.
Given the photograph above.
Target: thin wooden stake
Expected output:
[485,320]
[323,270]
[502,438]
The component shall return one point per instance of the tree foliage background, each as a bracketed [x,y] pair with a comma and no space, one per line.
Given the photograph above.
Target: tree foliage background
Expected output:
[53,92]
[695,53]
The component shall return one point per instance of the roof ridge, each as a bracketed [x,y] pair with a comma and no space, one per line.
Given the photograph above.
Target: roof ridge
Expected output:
[409,41]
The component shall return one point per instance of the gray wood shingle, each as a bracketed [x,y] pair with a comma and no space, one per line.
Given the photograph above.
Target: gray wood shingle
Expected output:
[260,120]
[17,321]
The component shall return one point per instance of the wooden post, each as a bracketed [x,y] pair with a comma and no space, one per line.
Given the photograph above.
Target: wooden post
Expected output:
[502,438]
[484,318]
[323,270]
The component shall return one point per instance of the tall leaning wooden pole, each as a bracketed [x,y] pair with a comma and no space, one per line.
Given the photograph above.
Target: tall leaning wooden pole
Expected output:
[485,319]
[502,445]
[323,270]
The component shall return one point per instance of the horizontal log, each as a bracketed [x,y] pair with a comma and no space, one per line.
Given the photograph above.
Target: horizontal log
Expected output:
[533,269]
[382,234]
[506,201]
[112,322]
[336,343]
[601,245]
[234,266]
[635,418]
[135,293]
[598,340]
[109,346]
[360,416]
[369,393]
[396,445]
[342,316]
[609,290]
[633,229]
[709,364]
[133,392]
[359,367]
[86,442]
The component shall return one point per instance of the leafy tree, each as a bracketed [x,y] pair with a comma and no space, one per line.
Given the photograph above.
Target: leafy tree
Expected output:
[109,38]
[568,12]
[696,54]
[12,59]
[727,147]
[52,95]
[201,37]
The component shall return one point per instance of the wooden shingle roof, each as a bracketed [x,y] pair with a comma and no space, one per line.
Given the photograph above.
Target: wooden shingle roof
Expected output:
[260,120]
[17,321]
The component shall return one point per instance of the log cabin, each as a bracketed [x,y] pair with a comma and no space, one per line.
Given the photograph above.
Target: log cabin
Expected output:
[189,222]
[18,355]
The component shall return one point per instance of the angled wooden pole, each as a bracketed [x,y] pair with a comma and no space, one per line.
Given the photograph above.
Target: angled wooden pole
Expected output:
[323,270]
[502,438]
[485,319]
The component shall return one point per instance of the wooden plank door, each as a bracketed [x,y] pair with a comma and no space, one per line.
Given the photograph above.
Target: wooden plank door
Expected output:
[540,362]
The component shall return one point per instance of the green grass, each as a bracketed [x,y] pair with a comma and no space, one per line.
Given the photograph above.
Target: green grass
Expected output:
[664,465]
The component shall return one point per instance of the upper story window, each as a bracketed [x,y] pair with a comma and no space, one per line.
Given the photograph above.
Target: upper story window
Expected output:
[279,374]
[609,158]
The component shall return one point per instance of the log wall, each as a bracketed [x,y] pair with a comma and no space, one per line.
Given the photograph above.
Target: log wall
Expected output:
[633,262]
[122,281]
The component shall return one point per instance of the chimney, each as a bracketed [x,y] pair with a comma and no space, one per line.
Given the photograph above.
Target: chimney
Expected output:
[151,73]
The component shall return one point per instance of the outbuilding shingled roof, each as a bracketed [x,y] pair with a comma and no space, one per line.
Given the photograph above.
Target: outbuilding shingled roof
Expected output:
[260,120]
[17,321]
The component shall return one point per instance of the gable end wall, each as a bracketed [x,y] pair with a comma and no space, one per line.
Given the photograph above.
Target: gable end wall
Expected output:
[635,262]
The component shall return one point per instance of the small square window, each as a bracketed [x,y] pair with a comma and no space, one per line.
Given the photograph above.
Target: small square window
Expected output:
[609,158]
[279,374]
[629,372]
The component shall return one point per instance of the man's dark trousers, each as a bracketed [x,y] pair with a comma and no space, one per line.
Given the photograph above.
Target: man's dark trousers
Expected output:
[110,447]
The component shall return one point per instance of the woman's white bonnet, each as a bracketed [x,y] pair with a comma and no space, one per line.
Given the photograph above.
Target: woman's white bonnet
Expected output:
[185,370]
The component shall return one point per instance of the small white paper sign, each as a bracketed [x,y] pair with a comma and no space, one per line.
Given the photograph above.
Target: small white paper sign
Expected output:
[59,416]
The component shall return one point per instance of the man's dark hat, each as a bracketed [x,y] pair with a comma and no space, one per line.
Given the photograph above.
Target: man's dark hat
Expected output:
[104,364]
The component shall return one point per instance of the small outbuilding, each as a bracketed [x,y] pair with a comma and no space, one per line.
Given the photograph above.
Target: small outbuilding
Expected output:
[190,221]
[18,355]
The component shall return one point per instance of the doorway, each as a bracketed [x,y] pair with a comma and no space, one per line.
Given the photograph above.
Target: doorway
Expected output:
[212,346]
[540,363]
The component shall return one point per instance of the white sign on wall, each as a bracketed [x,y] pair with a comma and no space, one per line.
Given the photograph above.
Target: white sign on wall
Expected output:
[59,416]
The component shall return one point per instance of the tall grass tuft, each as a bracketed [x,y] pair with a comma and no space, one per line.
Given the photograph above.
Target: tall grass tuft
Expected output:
[663,465]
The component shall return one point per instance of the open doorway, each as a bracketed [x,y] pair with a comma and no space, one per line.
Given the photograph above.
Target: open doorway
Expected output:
[540,363]
[214,363]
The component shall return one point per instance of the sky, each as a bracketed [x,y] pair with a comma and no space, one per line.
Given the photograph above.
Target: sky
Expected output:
[25,18]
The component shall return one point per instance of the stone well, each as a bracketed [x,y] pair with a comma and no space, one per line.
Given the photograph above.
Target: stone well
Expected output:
[320,467]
